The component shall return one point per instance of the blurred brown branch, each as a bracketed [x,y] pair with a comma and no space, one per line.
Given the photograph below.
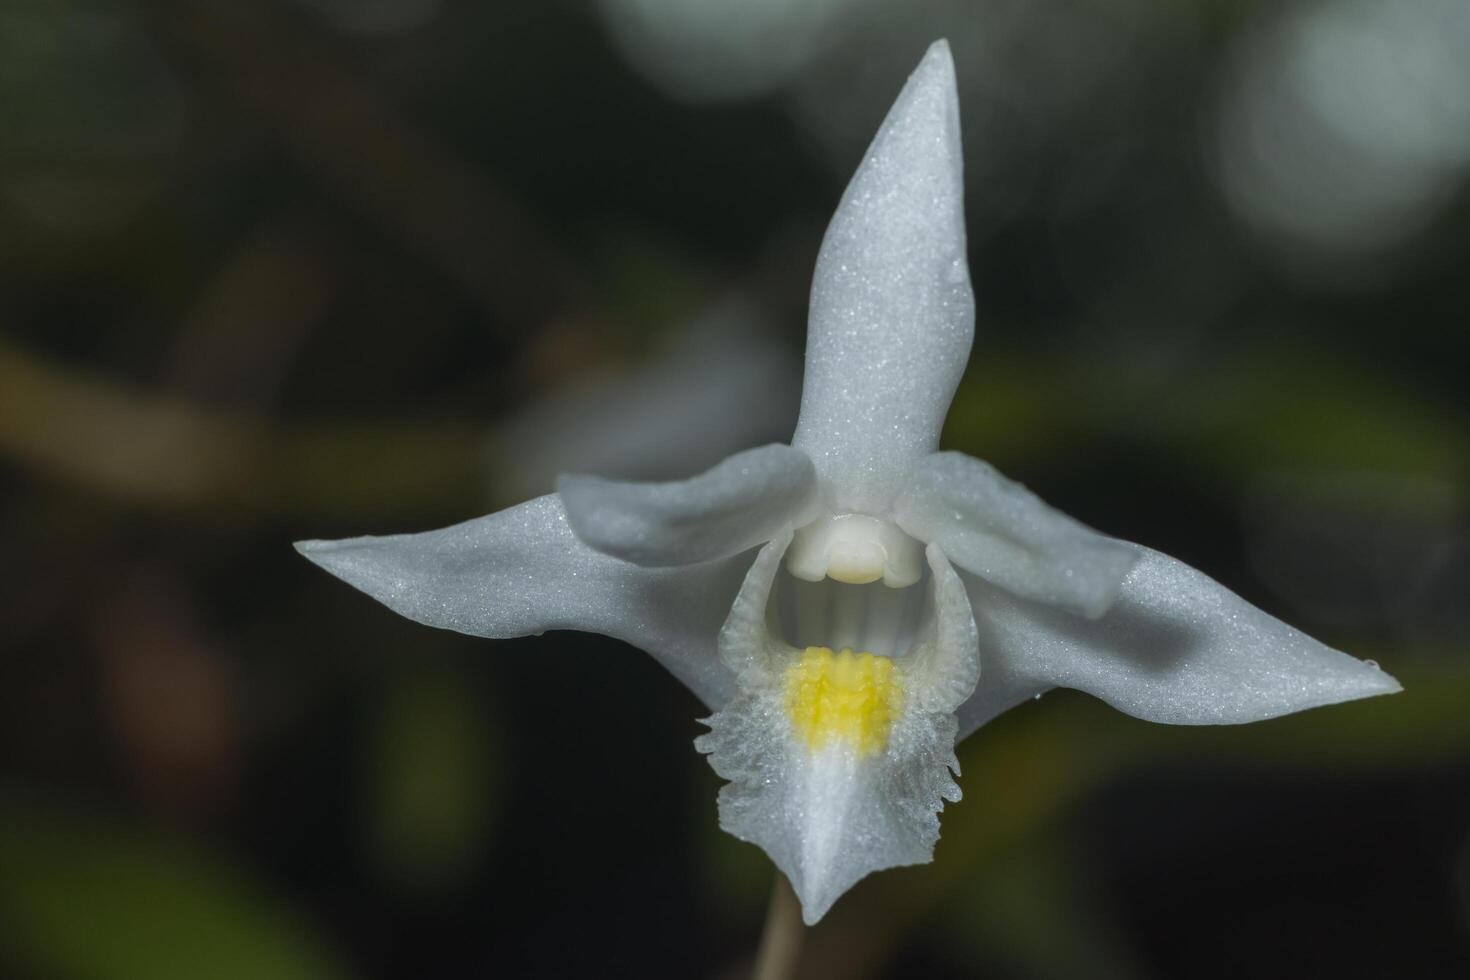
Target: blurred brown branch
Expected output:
[166,452]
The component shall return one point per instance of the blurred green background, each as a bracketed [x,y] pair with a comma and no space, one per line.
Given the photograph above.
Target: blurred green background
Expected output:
[318,268]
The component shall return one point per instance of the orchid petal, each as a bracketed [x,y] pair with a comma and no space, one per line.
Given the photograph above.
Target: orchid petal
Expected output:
[946,658]
[743,501]
[1001,690]
[746,644]
[831,814]
[997,529]
[892,315]
[522,571]
[1177,647]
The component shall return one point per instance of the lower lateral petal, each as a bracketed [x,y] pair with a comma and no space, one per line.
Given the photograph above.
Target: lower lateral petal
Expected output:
[522,571]
[1177,647]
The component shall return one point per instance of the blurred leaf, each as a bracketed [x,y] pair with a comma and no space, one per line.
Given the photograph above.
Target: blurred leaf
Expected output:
[85,901]
[433,779]
[1032,895]
[1013,407]
[1274,407]
[1268,407]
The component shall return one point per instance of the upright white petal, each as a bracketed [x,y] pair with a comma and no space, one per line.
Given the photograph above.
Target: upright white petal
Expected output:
[1177,647]
[997,529]
[892,315]
[829,811]
[742,502]
[522,571]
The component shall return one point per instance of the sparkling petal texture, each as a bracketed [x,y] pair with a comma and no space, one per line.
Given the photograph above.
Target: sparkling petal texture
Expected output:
[829,816]
[892,315]
[741,502]
[1177,647]
[997,529]
[522,571]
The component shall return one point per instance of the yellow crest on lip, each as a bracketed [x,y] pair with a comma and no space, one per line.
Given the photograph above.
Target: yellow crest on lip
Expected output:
[843,696]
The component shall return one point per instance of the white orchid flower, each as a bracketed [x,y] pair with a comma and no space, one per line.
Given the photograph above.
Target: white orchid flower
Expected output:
[853,604]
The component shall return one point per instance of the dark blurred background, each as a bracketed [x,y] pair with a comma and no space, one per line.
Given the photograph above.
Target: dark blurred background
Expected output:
[278,269]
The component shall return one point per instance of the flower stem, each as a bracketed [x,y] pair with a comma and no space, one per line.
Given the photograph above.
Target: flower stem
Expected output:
[781,937]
